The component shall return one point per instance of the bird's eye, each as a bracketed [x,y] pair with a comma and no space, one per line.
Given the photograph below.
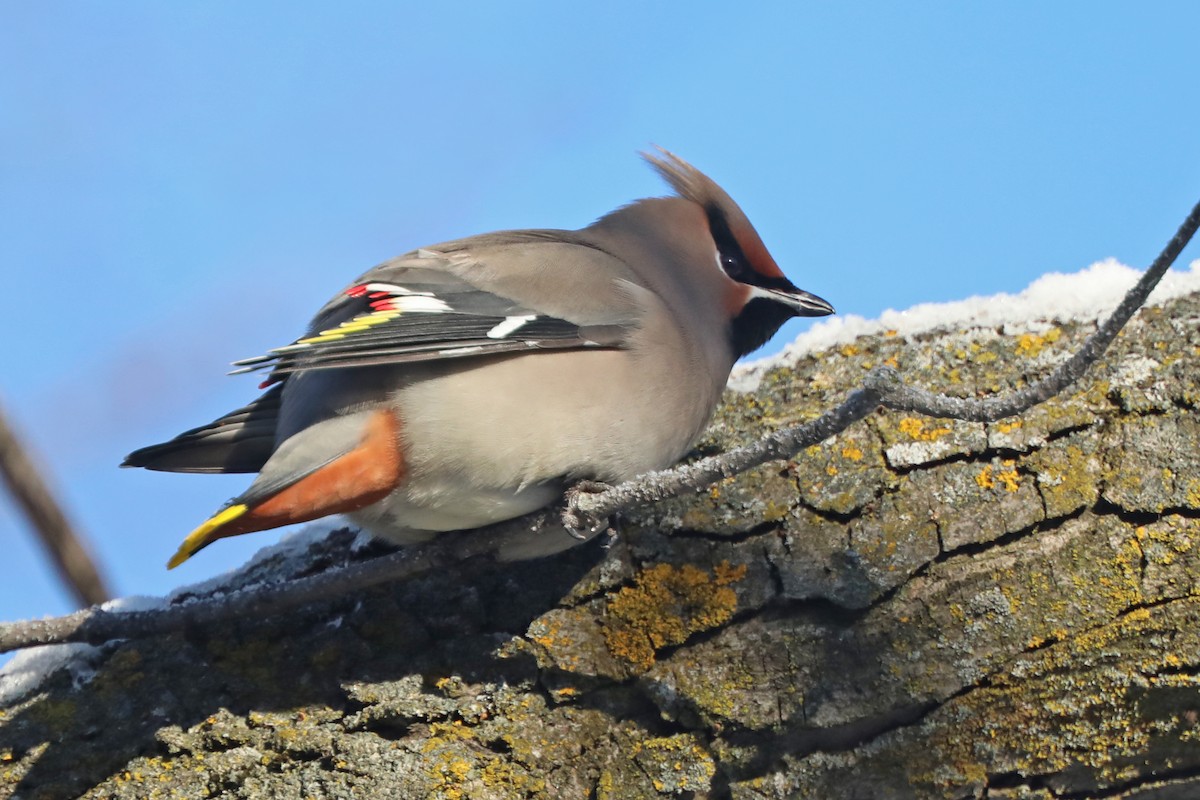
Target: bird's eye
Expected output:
[730,256]
[733,266]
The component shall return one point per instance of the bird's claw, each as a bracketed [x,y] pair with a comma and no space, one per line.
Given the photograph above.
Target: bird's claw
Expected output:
[579,524]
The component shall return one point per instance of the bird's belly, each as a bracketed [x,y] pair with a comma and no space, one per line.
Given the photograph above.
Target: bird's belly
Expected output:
[550,417]
[422,509]
[502,439]
[491,441]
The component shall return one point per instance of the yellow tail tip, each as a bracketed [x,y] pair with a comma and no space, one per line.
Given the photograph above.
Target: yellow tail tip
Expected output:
[199,538]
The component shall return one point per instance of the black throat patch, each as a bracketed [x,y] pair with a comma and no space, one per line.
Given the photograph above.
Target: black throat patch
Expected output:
[757,323]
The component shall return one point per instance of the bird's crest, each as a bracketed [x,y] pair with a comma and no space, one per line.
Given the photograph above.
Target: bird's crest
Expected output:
[687,181]
[722,212]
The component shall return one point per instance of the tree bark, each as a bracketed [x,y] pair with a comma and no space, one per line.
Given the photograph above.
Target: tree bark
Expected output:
[915,608]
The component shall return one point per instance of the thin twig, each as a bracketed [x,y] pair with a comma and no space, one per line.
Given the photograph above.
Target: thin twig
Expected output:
[587,510]
[990,409]
[62,542]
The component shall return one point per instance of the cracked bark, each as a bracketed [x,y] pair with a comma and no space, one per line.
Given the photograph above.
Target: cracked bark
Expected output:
[915,608]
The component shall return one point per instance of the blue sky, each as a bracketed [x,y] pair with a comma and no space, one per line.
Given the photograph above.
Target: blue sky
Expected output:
[184,184]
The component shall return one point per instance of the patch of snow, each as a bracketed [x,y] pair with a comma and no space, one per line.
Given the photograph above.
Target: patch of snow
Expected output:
[1083,296]
[29,668]
[137,602]
[289,555]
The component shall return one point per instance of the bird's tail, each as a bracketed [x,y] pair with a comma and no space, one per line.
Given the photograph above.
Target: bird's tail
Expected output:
[333,467]
[240,441]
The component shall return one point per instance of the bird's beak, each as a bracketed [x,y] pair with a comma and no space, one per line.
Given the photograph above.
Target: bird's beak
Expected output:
[803,303]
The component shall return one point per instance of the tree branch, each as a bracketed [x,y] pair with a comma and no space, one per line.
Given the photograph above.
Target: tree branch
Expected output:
[97,625]
[585,513]
[990,409]
[66,548]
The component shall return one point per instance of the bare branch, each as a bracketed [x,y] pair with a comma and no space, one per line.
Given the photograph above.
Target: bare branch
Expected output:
[990,409]
[97,625]
[65,547]
[586,512]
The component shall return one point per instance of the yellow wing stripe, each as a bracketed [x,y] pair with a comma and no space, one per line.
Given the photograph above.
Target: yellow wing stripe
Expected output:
[199,537]
[360,323]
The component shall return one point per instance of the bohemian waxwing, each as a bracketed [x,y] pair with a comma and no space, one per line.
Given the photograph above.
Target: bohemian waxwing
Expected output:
[470,382]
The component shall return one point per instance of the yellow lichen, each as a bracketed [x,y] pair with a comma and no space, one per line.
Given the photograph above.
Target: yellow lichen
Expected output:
[774,512]
[1030,344]
[441,732]
[914,428]
[549,632]
[1047,717]
[1067,480]
[719,697]
[665,606]
[56,714]
[725,573]
[1008,477]
[851,452]
[1193,493]
[605,786]
[676,764]
[985,478]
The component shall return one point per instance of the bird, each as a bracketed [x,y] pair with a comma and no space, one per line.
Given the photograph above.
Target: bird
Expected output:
[473,381]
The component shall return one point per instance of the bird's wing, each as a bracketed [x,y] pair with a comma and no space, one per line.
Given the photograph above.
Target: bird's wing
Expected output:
[442,303]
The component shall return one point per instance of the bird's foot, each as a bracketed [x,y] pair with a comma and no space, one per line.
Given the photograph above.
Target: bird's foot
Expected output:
[579,523]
